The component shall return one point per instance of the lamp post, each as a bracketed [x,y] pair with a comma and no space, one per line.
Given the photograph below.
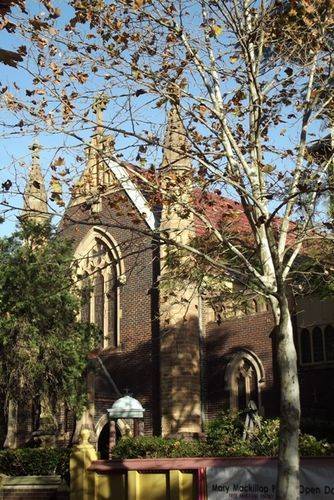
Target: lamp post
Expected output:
[129,408]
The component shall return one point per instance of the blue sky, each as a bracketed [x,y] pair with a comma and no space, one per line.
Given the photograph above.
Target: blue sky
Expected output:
[14,148]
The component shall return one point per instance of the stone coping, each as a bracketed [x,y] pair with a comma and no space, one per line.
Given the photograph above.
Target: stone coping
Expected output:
[156,464]
[54,482]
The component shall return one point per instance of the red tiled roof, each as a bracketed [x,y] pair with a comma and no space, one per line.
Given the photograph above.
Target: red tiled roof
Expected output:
[219,211]
[230,216]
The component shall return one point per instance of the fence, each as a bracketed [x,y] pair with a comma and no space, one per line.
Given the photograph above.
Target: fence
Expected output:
[185,478]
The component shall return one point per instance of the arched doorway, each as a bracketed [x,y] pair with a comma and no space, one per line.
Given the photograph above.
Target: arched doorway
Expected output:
[103,441]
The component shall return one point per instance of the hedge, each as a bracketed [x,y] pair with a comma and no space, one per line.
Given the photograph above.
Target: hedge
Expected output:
[35,462]
[223,439]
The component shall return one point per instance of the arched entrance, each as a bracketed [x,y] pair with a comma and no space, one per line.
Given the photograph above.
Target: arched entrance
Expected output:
[103,441]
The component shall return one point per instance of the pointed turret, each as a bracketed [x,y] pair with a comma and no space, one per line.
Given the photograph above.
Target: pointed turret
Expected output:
[176,143]
[35,197]
[96,177]
[177,178]
[178,309]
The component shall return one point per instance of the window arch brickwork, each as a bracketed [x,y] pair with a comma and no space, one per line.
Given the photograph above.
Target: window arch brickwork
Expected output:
[100,266]
[245,379]
[316,344]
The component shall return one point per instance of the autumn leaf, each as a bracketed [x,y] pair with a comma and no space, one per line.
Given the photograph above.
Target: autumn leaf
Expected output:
[59,162]
[216,30]
[140,92]
[81,77]
[56,191]
[137,4]
[10,58]
[7,185]
[136,74]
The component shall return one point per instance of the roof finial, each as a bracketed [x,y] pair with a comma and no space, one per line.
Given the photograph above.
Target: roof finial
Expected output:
[35,149]
[100,105]
[35,197]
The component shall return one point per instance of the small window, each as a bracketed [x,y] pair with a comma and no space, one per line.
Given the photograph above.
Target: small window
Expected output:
[112,306]
[305,346]
[329,342]
[317,345]
[99,300]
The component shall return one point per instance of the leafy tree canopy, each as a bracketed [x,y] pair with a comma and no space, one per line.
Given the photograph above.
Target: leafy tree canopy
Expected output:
[43,346]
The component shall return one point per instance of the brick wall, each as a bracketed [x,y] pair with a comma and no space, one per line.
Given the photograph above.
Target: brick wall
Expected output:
[134,364]
[316,391]
[252,332]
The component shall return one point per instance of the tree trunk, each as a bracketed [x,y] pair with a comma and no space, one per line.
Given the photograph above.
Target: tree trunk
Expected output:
[11,436]
[288,456]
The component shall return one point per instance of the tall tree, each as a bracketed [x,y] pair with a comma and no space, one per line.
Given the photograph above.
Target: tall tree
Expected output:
[248,107]
[43,346]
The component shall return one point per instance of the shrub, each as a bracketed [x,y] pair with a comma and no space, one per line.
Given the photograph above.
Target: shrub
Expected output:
[311,446]
[320,428]
[223,439]
[157,447]
[35,462]
[225,433]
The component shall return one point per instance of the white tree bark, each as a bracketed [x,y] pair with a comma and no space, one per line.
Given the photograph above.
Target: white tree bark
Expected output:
[288,458]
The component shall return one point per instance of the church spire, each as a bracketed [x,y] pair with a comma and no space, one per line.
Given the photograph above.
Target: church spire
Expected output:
[176,143]
[96,177]
[176,176]
[35,197]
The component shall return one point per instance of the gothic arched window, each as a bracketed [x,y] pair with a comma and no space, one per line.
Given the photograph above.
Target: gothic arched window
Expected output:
[305,346]
[329,342]
[317,345]
[244,376]
[85,299]
[100,291]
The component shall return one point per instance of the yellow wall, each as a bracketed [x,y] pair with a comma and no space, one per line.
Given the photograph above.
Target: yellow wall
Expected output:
[127,484]
[133,485]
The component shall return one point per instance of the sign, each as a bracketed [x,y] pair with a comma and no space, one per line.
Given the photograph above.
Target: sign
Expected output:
[259,482]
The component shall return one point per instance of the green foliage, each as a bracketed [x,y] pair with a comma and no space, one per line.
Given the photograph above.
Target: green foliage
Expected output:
[35,462]
[157,447]
[224,434]
[223,439]
[39,307]
[321,429]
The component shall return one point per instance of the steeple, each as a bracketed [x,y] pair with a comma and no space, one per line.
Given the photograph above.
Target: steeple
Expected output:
[99,106]
[96,177]
[176,176]
[176,143]
[35,197]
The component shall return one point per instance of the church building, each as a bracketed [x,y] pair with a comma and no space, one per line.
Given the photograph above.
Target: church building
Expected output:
[182,358]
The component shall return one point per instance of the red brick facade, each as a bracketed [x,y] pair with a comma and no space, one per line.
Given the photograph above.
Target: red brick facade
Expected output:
[133,365]
[155,366]
[251,332]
